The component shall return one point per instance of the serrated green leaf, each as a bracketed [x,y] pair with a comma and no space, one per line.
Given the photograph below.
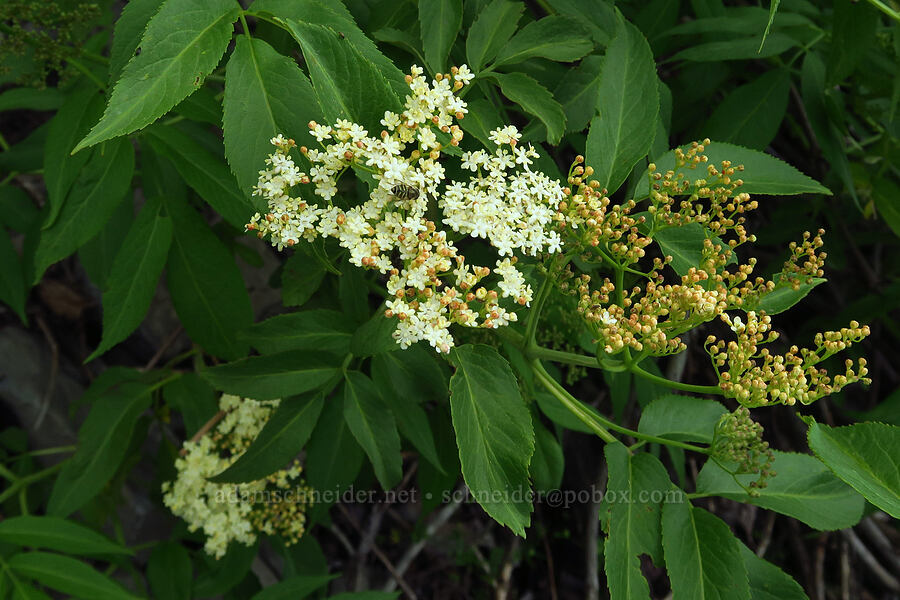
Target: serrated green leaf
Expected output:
[347,84]
[336,16]
[683,418]
[134,274]
[628,105]
[293,588]
[129,30]
[206,286]
[68,576]
[440,21]
[703,557]
[578,92]
[773,8]
[762,174]
[119,398]
[555,38]
[170,572]
[684,243]
[274,375]
[57,534]
[227,572]
[265,94]
[534,99]
[374,427]
[279,441]
[637,487]
[181,46]
[325,330]
[32,99]
[752,113]
[853,31]
[12,277]
[481,119]
[98,253]
[864,455]
[103,182]
[82,108]
[301,277]
[496,23]
[494,434]
[768,582]
[204,171]
[802,488]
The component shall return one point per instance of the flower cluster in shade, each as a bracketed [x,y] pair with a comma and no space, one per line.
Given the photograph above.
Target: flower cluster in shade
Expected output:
[239,512]
[430,283]
[649,317]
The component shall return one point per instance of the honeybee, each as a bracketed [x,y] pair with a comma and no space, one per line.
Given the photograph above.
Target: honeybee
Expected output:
[404,191]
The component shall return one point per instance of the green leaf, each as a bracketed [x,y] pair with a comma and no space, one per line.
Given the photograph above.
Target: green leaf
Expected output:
[636,489]
[738,49]
[548,462]
[762,174]
[551,406]
[347,84]
[366,596]
[490,32]
[409,41]
[324,330]
[440,22]
[12,277]
[556,38]
[374,427]
[170,572]
[493,433]
[853,31]
[333,458]
[129,30]
[375,336]
[82,108]
[265,94]
[204,171]
[301,277]
[117,400]
[274,375]
[280,440]
[802,488]
[405,379]
[628,102]
[598,15]
[830,140]
[68,576]
[773,8]
[206,286]
[193,398]
[28,98]
[481,119]
[703,557]
[227,572]
[104,181]
[578,92]
[782,298]
[181,46]
[336,16]
[17,210]
[293,588]
[134,275]
[751,114]
[768,582]
[98,254]
[534,99]
[683,418]
[684,243]
[57,534]
[864,455]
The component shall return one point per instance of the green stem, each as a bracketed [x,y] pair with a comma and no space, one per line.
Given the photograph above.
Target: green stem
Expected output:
[886,9]
[571,403]
[598,423]
[43,452]
[569,358]
[677,385]
[28,480]
[535,314]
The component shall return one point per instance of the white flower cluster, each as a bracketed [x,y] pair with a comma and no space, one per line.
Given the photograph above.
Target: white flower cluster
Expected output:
[226,512]
[430,283]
